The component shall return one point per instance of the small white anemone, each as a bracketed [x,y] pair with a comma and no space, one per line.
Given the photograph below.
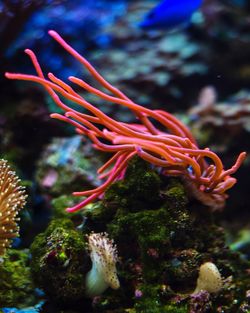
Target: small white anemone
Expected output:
[209,279]
[103,254]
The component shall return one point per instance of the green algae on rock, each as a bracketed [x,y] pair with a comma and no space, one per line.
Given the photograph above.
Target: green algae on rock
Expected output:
[59,204]
[162,240]
[60,262]
[139,189]
[16,287]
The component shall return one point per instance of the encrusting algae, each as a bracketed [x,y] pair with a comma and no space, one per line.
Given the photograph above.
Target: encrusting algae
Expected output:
[12,200]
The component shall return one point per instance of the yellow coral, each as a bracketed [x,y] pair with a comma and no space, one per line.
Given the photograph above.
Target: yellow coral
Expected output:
[12,200]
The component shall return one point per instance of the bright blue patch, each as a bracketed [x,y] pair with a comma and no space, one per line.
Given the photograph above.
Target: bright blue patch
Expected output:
[34,309]
[171,14]
[16,242]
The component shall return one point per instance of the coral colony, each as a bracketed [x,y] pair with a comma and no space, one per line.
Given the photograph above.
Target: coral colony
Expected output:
[173,149]
[12,200]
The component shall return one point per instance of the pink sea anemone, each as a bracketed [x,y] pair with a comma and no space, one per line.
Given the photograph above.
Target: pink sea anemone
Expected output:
[158,137]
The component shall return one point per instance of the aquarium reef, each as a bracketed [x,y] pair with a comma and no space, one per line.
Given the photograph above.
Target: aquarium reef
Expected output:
[124,170]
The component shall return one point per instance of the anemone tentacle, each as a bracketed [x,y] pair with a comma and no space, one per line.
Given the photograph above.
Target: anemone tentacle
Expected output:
[174,149]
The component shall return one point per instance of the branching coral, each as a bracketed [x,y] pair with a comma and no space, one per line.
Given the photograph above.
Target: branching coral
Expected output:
[12,200]
[158,138]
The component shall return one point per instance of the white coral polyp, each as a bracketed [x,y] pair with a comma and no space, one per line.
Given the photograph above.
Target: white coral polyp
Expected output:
[103,273]
[209,278]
